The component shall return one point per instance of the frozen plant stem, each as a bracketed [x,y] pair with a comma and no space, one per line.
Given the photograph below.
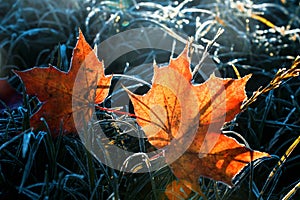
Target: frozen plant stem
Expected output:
[206,50]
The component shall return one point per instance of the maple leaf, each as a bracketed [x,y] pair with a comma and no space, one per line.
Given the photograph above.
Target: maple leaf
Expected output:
[185,120]
[9,95]
[67,96]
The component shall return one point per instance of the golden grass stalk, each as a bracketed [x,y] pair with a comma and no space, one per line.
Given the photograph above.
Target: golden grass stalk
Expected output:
[281,75]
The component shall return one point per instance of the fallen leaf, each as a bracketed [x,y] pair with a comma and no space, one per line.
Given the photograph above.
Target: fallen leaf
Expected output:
[185,120]
[67,96]
[9,95]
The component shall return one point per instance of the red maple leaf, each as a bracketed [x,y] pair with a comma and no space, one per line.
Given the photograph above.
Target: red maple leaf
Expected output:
[67,96]
[8,95]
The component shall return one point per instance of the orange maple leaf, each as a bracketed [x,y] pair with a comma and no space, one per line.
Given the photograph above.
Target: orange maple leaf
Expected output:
[185,120]
[67,96]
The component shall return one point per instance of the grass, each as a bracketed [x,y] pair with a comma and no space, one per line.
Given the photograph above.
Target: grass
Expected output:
[34,166]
